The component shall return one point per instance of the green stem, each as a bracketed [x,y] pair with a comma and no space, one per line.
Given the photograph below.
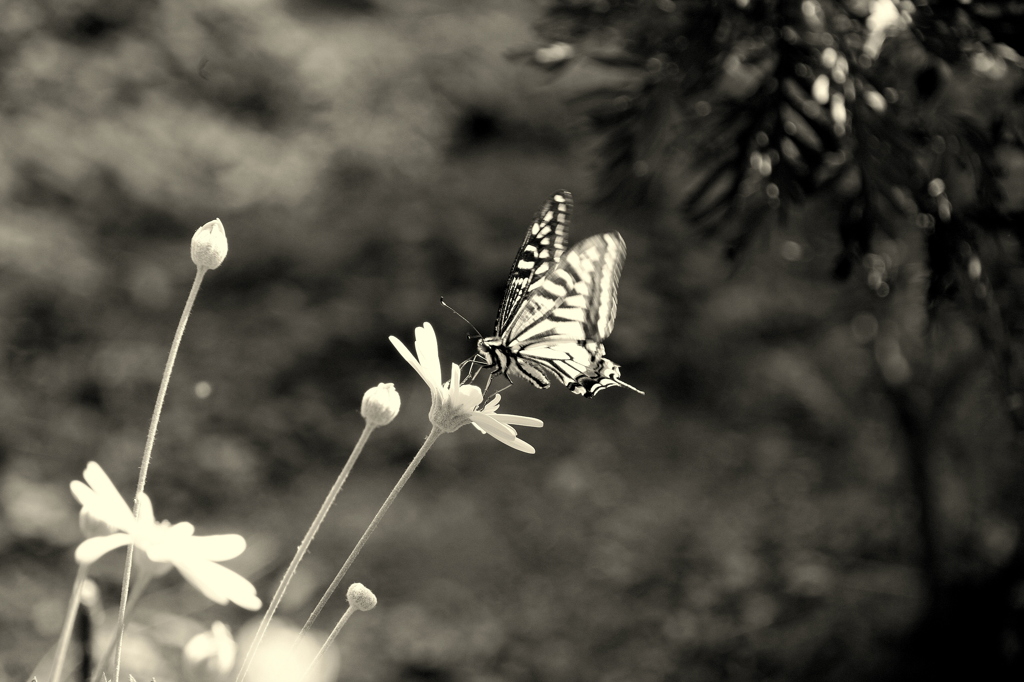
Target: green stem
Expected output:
[431,437]
[69,624]
[147,455]
[303,548]
[330,640]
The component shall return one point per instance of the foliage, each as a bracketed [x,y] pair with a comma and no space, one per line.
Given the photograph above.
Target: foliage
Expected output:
[906,116]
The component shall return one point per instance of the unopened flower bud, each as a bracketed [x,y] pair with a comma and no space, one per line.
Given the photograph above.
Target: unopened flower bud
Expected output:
[360,597]
[380,404]
[209,245]
[209,656]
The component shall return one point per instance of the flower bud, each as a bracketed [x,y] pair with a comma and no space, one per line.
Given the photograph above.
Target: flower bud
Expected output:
[360,597]
[209,245]
[209,656]
[380,405]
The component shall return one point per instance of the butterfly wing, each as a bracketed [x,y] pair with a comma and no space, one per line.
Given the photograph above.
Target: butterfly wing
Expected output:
[543,246]
[560,326]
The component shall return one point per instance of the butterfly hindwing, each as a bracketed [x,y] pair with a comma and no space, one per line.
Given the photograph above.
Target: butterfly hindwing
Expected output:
[543,246]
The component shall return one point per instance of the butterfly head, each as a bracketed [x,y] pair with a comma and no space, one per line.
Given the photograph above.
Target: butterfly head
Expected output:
[491,355]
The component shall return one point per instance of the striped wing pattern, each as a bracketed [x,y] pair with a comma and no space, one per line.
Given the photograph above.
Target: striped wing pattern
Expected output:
[544,245]
[558,321]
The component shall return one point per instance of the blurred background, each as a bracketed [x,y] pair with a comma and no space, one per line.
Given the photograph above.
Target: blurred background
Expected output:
[821,300]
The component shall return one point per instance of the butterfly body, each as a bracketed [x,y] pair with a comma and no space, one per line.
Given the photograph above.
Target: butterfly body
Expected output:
[559,306]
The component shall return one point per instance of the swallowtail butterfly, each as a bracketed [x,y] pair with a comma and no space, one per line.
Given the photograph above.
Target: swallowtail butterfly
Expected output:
[558,307]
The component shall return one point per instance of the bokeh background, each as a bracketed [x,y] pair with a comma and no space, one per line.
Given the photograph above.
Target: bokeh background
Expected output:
[821,482]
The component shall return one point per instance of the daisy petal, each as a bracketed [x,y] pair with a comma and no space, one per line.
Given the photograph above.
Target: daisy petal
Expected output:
[217,547]
[98,480]
[115,516]
[410,358]
[521,445]
[426,351]
[519,421]
[146,516]
[218,583]
[492,426]
[92,549]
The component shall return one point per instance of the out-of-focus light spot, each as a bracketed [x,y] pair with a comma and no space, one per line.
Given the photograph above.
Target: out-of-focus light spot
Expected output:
[925,221]
[702,108]
[828,57]
[641,169]
[91,595]
[936,187]
[882,290]
[840,70]
[203,389]
[892,95]
[809,8]
[554,53]
[666,5]
[819,89]
[772,190]
[875,100]
[945,209]
[761,163]
[742,4]
[838,110]
[864,327]
[974,267]
[761,138]
[885,19]
[788,147]
[791,251]
[875,279]
[790,35]
[988,65]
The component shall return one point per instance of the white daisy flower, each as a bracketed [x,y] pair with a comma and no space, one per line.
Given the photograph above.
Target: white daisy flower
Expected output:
[177,545]
[452,408]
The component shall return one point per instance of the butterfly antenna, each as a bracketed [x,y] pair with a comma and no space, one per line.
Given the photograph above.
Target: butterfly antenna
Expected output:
[478,334]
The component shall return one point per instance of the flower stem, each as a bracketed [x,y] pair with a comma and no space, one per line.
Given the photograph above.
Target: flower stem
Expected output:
[69,624]
[302,549]
[147,455]
[330,640]
[427,444]
[140,587]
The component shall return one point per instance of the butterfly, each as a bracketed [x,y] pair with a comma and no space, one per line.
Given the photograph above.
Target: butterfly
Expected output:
[559,306]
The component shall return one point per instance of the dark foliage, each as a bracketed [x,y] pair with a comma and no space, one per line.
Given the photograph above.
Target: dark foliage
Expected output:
[771,104]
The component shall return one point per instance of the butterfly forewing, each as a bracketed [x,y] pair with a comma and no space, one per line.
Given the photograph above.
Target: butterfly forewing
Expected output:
[577,298]
[543,246]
